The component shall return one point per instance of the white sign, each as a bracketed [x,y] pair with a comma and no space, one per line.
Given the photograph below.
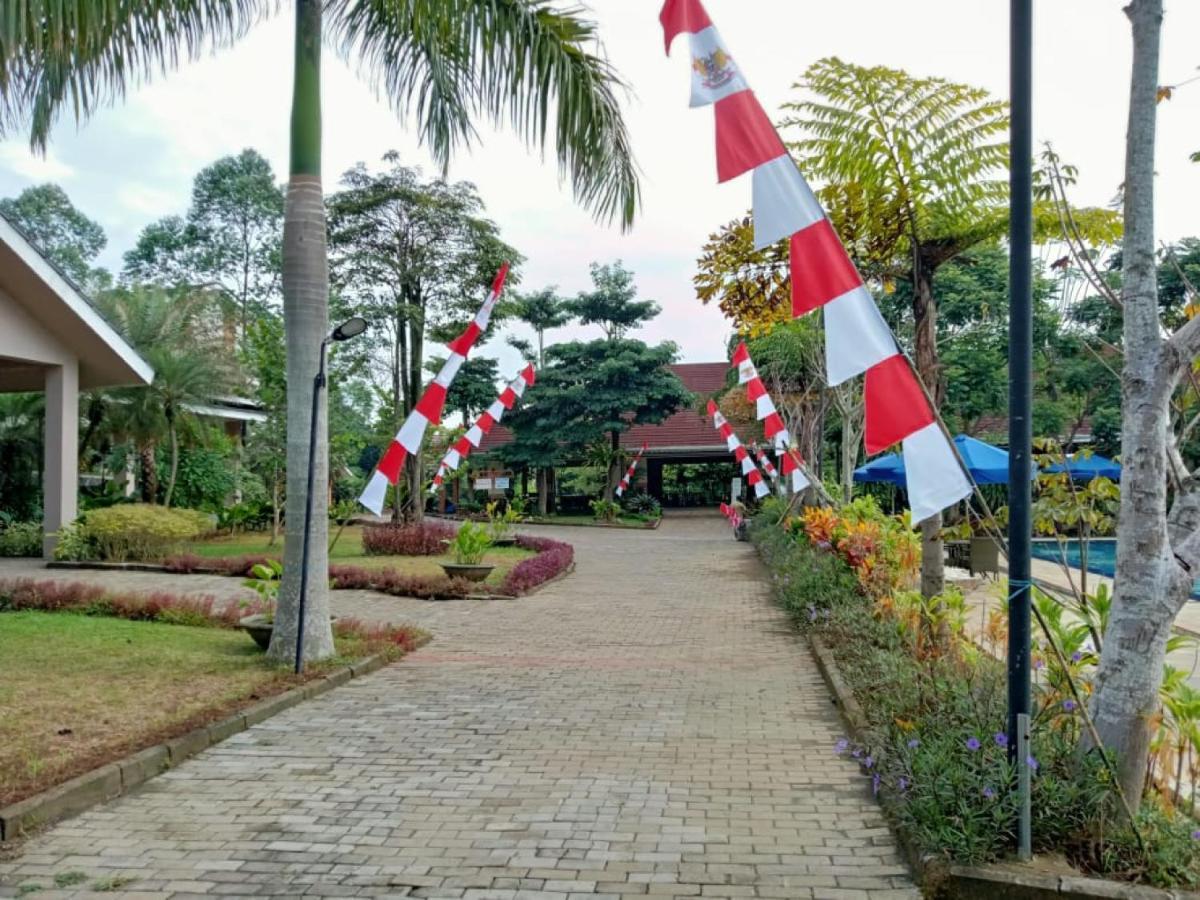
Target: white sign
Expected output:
[735,489]
[483,484]
[502,484]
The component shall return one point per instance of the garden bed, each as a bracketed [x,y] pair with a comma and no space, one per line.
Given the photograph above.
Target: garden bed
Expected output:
[89,677]
[591,522]
[928,716]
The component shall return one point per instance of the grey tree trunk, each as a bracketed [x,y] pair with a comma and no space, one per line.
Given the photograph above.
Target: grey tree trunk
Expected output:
[306,322]
[1151,586]
[933,563]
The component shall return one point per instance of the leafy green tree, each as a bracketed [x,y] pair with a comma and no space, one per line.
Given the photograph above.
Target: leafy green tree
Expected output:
[410,255]
[447,62]
[591,392]
[229,242]
[541,310]
[474,388]
[69,238]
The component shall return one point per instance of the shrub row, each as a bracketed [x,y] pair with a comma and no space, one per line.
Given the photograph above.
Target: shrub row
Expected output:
[553,558]
[398,584]
[130,531]
[234,566]
[420,539]
[21,539]
[935,748]
[171,609]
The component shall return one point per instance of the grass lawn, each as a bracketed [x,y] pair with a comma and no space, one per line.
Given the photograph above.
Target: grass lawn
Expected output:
[349,550]
[79,691]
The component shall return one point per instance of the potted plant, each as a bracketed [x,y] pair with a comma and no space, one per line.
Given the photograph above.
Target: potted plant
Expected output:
[500,524]
[469,547]
[265,582]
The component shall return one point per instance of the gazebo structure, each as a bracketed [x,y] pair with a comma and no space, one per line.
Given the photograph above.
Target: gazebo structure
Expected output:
[52,339]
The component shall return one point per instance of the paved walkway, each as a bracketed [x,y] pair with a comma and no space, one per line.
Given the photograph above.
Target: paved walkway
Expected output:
[649,726]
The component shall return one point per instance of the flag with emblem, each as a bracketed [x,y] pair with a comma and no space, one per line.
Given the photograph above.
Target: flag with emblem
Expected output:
[429,408]
[857,339]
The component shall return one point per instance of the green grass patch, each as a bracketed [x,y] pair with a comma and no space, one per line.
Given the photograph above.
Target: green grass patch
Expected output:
[79,691]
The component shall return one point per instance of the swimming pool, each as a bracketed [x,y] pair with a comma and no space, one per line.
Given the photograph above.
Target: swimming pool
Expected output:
[1102,556]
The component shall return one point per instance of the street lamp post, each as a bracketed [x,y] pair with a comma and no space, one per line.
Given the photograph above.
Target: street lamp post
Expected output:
[351,328]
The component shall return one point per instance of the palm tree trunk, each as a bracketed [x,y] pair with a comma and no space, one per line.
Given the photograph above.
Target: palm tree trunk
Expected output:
[173,432]
[305,316]
[149,473]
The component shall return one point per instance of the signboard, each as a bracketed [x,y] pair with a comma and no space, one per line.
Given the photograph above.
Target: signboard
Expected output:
[483,484]
[735,489]
[502,484]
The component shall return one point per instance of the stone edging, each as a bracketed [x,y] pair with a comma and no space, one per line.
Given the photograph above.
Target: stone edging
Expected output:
[117,778]
[547,523]
[1010,881]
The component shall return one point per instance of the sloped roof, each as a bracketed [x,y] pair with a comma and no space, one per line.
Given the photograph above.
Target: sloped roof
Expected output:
[685,430]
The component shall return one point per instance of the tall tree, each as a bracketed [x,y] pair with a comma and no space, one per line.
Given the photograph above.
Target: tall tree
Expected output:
[1158,541]
[447,62]
[540,310]
[410,255]
[229,241]
[69,238]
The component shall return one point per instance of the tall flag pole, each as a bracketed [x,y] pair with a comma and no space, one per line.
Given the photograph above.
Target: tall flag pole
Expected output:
[764,462]
[483,425]
[429,409]
[1020,373]
[628,479]
[857,339]
[737,448]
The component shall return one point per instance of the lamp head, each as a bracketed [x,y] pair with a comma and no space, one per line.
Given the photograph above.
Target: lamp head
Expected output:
[351,328]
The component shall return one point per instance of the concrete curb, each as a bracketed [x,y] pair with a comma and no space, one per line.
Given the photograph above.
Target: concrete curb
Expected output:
[1008,881]
[120,777]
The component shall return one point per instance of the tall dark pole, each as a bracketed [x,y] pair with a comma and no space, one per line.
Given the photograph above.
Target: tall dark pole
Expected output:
[1020,364]
[318,386]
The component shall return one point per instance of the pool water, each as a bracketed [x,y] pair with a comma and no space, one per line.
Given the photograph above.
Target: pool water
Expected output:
[1102,556]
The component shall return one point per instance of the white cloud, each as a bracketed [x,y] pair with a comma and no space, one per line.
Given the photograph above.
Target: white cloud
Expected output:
[15,156]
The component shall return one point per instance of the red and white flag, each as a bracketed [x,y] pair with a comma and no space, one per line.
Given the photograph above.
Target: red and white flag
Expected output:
[756,392]
[793,470]
[764,462]
[749,469]
[487,420]
[628,479]
[857,339]
[429,409]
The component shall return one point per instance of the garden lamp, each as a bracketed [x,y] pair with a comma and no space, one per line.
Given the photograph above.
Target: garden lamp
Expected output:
[351,328]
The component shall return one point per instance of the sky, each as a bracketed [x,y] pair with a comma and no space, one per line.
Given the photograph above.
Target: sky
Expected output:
[134,162]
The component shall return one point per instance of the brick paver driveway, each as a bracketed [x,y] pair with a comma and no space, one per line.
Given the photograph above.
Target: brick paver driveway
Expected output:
[649,726]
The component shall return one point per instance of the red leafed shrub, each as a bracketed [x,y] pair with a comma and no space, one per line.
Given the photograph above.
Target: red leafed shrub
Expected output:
[91,600]
[553,558]
[237,566]
[390,581]
[380,637]
[422,539]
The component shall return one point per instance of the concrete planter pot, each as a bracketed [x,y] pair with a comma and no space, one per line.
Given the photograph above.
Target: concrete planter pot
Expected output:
[258,627]
[510,541]
[471,573]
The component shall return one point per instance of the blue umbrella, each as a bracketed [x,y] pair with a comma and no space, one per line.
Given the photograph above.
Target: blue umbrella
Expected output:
[1086,468]
[987,464]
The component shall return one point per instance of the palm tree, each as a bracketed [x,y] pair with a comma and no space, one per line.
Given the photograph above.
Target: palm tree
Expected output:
[178,336]
[447,62]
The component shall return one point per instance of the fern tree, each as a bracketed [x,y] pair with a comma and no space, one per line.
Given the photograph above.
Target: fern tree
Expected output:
[444,64]
[919,166]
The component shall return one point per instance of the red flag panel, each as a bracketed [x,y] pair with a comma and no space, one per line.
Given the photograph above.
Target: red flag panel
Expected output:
[465,341]
[755,389]
[895,404]
[745,136]
[432,403]
[682,17]
[392,461]
[772,425]
[498,281]
[463,446]
[821,270]
[485,422]
[741,354]
[508,398]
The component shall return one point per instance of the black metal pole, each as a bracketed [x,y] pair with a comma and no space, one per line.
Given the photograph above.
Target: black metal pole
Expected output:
[318,386]
[1020,365]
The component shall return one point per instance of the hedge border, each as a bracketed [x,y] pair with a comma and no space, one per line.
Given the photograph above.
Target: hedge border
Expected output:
[117,778]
